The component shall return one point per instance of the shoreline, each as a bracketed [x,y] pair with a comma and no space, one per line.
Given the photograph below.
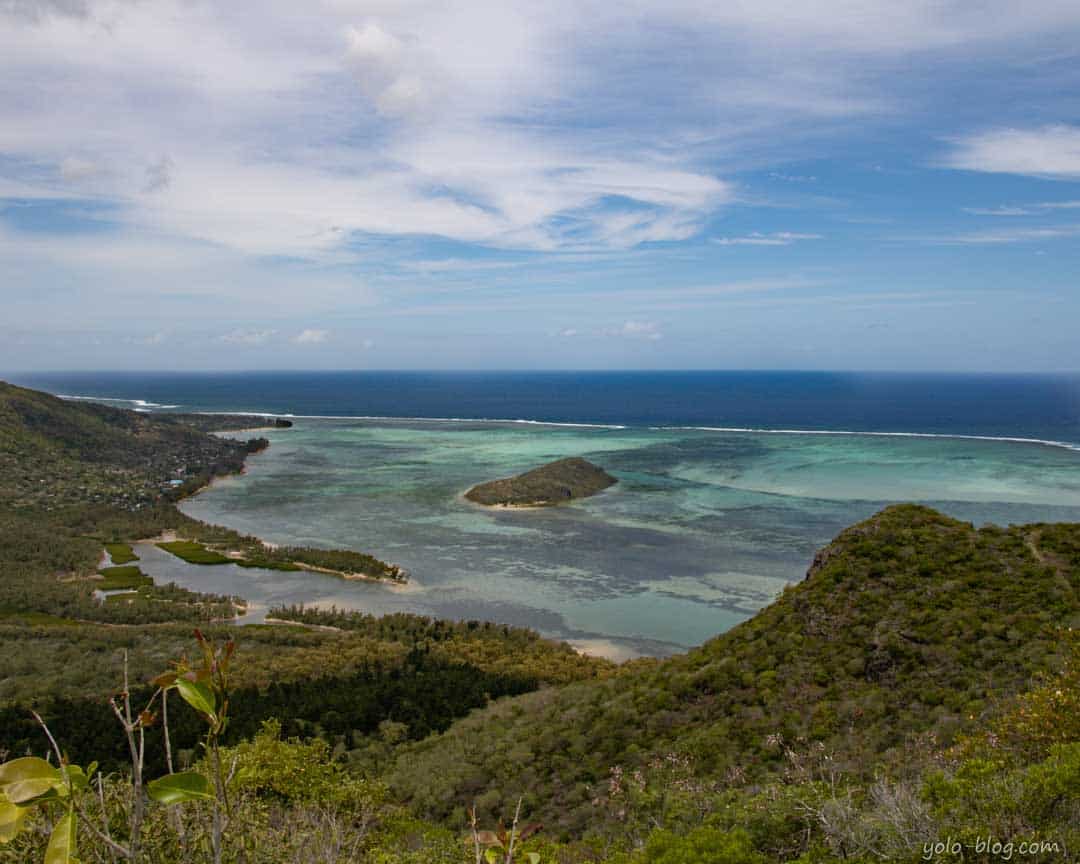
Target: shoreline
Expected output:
[530,508]
[215,479]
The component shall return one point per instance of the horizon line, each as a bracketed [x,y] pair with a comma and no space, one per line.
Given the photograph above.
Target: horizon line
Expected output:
[5,374]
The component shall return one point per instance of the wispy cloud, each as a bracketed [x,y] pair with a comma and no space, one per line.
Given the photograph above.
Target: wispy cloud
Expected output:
[1016,235]
[1000,211]
[455,265]
[554,130]
[776,238]
[1023,210]
[248,337]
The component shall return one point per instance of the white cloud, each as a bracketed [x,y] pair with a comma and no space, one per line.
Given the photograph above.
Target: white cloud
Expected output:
[1048,151]
[291,130]
[388,72]
[248,337]
[648,330]
[776,238]
[311,337]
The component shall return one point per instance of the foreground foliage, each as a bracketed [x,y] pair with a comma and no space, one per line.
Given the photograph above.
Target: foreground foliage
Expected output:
[915,698]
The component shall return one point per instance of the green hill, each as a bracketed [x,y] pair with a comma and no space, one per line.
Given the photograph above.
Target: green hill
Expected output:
[908,624]
[55,453]
[555,483]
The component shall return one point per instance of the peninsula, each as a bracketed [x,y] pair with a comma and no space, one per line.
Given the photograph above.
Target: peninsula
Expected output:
[555,483]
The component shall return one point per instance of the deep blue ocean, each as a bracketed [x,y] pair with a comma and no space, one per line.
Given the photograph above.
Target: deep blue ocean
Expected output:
[1035,406]
[727,484]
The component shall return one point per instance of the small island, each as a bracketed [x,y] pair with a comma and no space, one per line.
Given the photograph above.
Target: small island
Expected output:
[555,483]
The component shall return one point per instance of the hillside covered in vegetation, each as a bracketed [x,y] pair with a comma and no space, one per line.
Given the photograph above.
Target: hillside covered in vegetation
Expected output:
[920,686]
[555,483]
[909,624]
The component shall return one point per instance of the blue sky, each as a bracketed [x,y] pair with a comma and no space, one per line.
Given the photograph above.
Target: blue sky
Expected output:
[409,184]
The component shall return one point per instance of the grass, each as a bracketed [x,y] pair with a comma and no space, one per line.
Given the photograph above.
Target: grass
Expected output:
[268,564]
[123,578]
[121,553]
[195,553]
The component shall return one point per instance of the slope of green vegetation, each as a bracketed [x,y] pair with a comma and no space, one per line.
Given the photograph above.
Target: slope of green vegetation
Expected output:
[908,624]
[55,453]
[1011,789]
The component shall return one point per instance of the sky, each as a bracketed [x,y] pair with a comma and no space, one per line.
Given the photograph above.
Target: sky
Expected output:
[339,184]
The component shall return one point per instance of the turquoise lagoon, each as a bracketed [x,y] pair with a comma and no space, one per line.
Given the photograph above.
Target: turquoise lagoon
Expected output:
[704,527]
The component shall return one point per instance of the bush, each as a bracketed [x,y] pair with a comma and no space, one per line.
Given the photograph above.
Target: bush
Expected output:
[701,846]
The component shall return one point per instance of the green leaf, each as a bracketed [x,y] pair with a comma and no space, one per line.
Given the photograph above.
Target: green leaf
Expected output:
[24,779]
[11,820]
[62,843]
[534,857]
[178,788]
[198,696]
[492,856]
[78,777]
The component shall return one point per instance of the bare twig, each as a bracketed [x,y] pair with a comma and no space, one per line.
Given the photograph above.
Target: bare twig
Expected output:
[475,835]
[165,728]
[513,833]
[55,746]
[104,812]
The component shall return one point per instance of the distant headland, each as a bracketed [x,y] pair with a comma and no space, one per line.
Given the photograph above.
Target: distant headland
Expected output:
[555,483]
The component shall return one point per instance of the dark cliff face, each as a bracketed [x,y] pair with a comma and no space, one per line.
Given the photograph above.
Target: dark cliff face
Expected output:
[555,483]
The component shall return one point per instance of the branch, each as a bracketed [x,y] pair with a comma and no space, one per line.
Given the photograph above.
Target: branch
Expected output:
[104,813]
[55,746]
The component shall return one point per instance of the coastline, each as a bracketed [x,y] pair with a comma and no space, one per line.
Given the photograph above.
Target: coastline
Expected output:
[215,479]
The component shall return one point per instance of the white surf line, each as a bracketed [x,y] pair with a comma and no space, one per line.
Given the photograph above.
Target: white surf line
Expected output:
[413,419]
[139,403]
[958,435]
[1065,445]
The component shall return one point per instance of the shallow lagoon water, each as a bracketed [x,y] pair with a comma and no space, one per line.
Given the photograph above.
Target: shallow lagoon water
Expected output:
[703,529]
